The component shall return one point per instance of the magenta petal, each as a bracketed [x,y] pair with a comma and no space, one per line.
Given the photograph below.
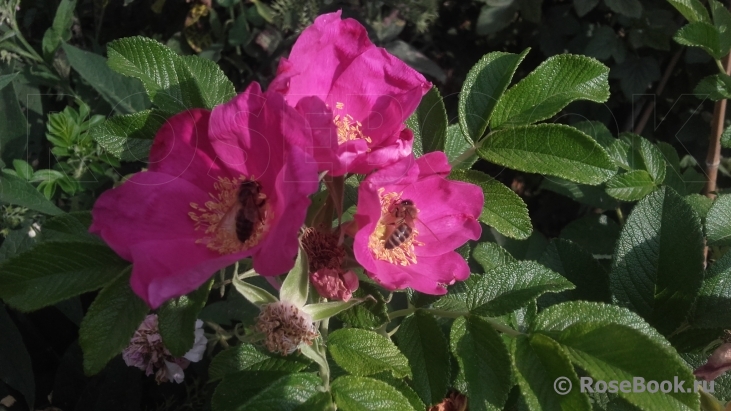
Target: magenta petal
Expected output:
[174,267]
[182,149]
[122,219]
[435,162]
[431,275]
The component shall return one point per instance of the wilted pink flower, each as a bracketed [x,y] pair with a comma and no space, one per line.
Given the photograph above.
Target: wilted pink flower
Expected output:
[285,327]
[325,258]
[370,92]
[147,352]
[718,363]
[409,225]
[221,186]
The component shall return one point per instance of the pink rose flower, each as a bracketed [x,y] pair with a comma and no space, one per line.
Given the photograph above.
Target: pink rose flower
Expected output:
[718,363]
[221,186]
[147,352]
[370,92]
[410,223]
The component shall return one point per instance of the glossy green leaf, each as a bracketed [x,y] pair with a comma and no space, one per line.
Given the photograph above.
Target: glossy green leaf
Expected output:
[177,318]
[713,307]
[485,84]
[60,30]
[703,35]
[502,209]
[15,190]
[580,268]
[643,155]
[553,149]
[631,186]
[658,264]
[124,94]
[456,148]
[718,221]
[692,10]
[485,362]
[70,227]
[174,83]
[722,21]
[264,390]
[612,343]
[14,138]
[371,314]
[508,287]
[53,272]
[491,255]
[129,137]
[421,339]
[549,88]
[539,362]
[429,123]
[715,87]
[363,352]
[353,393]
[247,357]
[110,323]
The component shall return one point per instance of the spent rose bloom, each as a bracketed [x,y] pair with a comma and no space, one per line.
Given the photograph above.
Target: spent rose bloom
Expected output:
[718,363]
[325,257]
[147,352]
[409,224]
[370,92]
[222,185]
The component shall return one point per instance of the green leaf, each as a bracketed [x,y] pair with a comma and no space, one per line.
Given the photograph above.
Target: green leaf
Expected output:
[549,88]
[636,74]
[722,22]
[16,242]
[700,204]
[553,149]
[644,155]
[7,79]
[15,190]
[603,43]
[495,16]
[353,393]
[579,267]
[124,94]
[296,285]
[508,287]
[703,35]
[502,209]
[321,311]
[539,362]
[726,136]
[718,221]
[255,295]
[110,323]
[658,263]
[247,357]
[371,314]
[595,196]
[402,387]
[429,123]
[129,137]
[629,8]
[582,7]
[457,145]
[71,227]
[177,319]
[14,138]
[174,83]
[485,362]
[714,87]
[611,343]
[15,366]
[363,352]
[491,255]
[631,186]
[264,390]
[420,338]
[60,30]
[485,84]
[24,170]
[692,10]
[597,234]
[598,131]
[713,307]
[53,272]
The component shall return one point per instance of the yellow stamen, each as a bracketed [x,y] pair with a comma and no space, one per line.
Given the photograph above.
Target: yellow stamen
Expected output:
[348,127]
[404,253]
[217,218]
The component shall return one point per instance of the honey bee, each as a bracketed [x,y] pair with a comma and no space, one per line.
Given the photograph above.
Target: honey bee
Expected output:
[402,227]
[250,212]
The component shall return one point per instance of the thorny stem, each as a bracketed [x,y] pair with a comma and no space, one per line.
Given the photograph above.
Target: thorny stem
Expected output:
[713,158]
